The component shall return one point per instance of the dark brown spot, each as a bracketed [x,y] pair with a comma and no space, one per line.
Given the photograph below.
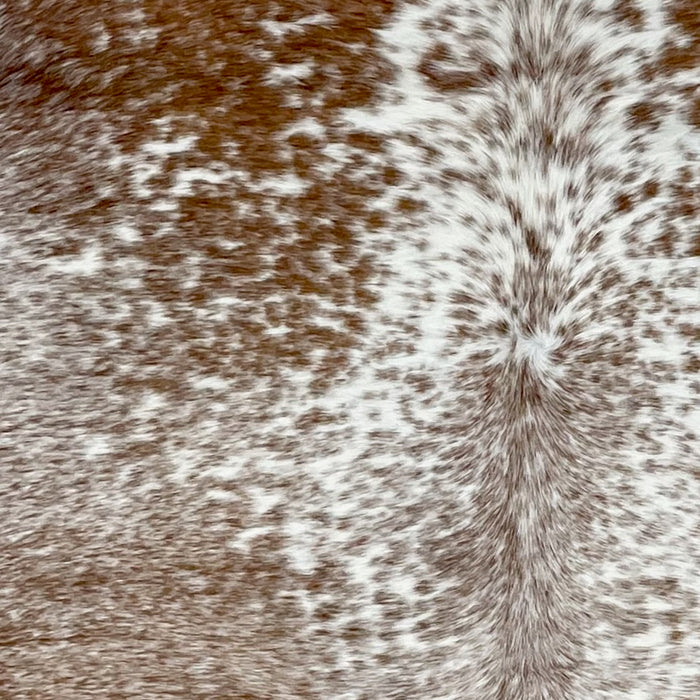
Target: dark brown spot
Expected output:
[684,55]
[441,70]
[650,189]
[538,252]
[408,205]
[628,11]
[692,365]
[366,141]
[623,203]
[450,80]
[686,15]
[684,197]
[694,112]
[665,243]
[644,114]
[695,246]
[391,175]
[677,59]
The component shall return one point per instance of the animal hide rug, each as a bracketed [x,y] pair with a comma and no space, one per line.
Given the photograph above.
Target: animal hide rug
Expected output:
[349,349]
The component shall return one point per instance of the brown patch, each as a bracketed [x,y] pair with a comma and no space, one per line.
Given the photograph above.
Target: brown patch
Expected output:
[623,203]
[366,141]
[628,11]
[677,59]
[685,14]
[441,69]
[692,365]
[450,81]
[665,243]
[688,330]
[684,196]
[650,189]
[695,246]
[606,86]
[644,114]
[537,251]
[694,112]
[408,205]
[595,242]
[391,175]
[488,71]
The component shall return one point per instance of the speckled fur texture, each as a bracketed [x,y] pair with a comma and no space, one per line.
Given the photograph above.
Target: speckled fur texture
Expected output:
[349,350]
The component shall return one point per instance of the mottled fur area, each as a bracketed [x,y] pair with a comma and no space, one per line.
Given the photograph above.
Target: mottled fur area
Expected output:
[349,350]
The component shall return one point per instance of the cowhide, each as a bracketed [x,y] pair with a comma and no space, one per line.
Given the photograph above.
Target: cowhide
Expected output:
[349,350]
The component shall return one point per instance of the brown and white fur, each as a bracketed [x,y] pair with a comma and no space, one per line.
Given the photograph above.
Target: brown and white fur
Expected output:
[348,350]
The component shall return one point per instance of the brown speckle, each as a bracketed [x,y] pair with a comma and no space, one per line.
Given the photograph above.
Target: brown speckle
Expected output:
[644,115]
[623,203]
[650,189]
[628,11]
